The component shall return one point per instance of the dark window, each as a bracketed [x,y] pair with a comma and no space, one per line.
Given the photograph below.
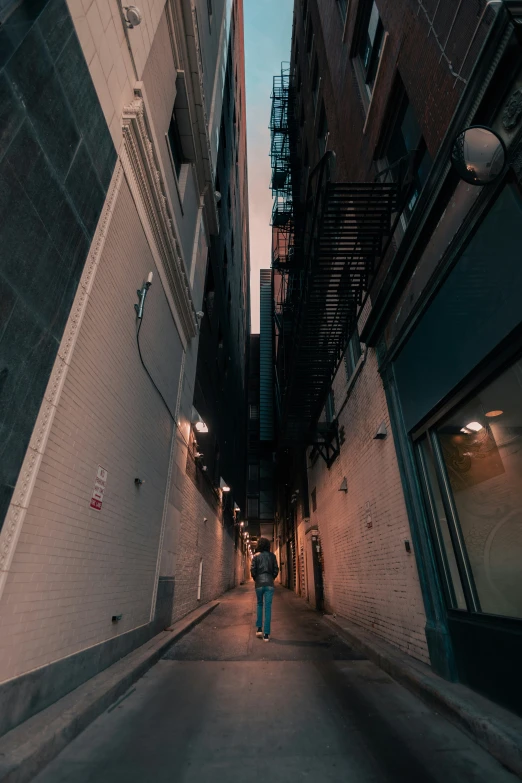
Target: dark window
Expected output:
[253,508]
[329,408]
[7,7]
[175,144]
[315,83]
[309,36]
[404,137]
[253,411]
[253,472]
[370,44]
[314,500]
[209,289]
[352,355]
[322,132]
[342,5]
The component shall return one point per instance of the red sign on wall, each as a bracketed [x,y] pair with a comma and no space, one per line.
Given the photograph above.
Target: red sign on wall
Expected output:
[99,488]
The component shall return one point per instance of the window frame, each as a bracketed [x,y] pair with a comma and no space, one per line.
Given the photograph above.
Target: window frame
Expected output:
[367,72]
[342,5]
[352,355]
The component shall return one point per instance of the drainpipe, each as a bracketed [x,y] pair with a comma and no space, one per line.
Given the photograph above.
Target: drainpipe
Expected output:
[200,577]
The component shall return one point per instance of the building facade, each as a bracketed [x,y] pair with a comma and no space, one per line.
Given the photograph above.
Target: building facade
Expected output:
[259,517]
[397,342]
[110,158]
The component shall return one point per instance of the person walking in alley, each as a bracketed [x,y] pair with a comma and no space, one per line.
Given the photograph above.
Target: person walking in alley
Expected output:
[264,570]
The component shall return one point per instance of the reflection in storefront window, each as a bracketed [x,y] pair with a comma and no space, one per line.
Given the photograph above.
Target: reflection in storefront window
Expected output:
[481,447]
[443,536]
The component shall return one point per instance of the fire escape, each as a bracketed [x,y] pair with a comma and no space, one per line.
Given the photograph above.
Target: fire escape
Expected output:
[326,248]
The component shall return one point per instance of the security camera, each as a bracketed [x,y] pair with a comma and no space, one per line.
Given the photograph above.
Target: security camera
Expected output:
[218,196]
[200,314]
[205,519]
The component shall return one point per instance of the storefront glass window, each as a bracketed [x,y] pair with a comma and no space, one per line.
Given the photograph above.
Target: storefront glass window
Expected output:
[481,451]
[448,561]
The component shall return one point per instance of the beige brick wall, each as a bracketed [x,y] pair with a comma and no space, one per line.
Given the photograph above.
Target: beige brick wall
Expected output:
[102,35]
[369,577]
[75,567]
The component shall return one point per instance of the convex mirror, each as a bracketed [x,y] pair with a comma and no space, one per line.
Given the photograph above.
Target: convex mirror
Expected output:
[479,155]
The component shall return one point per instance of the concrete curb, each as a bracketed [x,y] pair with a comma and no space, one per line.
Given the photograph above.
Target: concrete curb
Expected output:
[28,748]
[495,729]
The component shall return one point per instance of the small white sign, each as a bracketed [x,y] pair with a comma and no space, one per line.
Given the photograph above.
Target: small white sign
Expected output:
[99,488]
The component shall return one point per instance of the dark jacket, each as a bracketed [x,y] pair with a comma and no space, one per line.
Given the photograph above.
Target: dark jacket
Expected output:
[264,569]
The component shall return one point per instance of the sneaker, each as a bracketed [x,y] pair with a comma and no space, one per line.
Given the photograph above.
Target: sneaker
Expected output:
[266,638]
[259,633]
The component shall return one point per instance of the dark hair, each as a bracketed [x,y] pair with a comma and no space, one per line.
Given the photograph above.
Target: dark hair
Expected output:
[263,545]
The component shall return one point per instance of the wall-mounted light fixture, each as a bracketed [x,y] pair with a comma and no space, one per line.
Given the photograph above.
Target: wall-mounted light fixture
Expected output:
[198,423]
[142,293]
[236,509]
[381,433]
[344,485]
[132,15]
[223,485]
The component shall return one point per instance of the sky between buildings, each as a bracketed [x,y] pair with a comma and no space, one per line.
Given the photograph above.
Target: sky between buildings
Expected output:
[268,32]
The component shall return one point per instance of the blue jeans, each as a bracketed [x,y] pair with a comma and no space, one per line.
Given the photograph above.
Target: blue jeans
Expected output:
[268,594]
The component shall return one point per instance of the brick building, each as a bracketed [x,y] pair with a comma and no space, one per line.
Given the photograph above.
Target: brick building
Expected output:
[397,374]
[110,160]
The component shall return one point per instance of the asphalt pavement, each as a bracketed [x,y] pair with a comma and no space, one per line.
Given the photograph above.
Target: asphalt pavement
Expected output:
[225,706]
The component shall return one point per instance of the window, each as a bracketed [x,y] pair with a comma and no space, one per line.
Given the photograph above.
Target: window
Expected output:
[253,508]
[342,5]
[404,136]
[6,9]
[352,355]
[309,37]
[370,44]
[253,472]
[322,132]
[210,289]
[314,500]
[254,411]
[176,149]
[315,83]
[472,467]
[329,408]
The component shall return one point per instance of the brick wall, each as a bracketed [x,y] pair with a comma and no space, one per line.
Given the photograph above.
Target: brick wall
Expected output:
[369,577]
[75,567]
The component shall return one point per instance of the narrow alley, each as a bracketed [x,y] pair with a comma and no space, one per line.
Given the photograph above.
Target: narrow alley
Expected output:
[224,706]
